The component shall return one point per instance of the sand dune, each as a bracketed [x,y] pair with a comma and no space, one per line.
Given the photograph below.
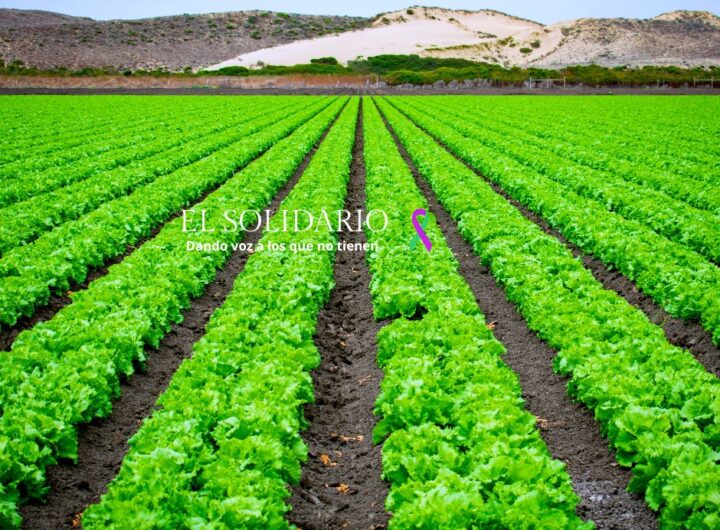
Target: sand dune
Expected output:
[400,32]
[681,37]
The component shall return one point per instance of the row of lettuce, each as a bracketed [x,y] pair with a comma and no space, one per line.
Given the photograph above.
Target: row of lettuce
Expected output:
[227,438]
[226,442]
[66,371]
[656,404]
[570,163]
[681,280]
[58,258]
[461,451]
[84,186]
[642,136]
[52,125]
[78,156]
[643,131]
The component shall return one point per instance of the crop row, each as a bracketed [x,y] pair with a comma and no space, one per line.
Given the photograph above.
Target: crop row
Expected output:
[604,155]
[14,160]
[656,404]
[461,452]
[30,273]
[683,282]
[226,439]
[670,217]
[86,122]
[645,133]
[70,147]
[23,221]
[115,150]
[66,371]
[26,116]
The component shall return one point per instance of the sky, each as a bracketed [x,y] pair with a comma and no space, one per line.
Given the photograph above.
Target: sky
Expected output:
[546,11]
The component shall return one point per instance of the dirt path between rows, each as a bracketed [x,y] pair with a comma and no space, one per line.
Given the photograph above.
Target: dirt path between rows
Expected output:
[341,485]
[682,333]
[102,443]
[568,428]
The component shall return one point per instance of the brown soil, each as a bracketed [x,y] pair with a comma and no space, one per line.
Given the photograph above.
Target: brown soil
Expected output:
[341,485]
[569,429]
[102,443]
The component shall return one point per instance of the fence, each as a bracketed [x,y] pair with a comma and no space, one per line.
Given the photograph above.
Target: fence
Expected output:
[547,82]
[704,81]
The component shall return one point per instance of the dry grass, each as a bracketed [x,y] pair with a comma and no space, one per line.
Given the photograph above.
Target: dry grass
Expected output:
[256,82]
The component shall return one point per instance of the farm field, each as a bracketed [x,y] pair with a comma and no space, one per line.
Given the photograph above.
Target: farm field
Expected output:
[503,312]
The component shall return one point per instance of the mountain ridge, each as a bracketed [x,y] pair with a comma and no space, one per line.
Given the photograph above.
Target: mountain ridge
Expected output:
[45,40]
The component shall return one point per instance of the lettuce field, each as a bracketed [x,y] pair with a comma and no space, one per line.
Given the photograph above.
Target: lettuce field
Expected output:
[324,312]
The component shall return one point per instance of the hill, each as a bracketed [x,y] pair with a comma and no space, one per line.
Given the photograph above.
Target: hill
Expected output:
[249,38]
[679,38]
[48,40]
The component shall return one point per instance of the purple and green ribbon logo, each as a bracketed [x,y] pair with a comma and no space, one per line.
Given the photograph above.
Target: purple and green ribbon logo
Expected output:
[420,229]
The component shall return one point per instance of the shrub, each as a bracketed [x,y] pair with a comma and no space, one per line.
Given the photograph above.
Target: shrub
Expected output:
[405,77]
[324,60]
[229,70]
[525,50]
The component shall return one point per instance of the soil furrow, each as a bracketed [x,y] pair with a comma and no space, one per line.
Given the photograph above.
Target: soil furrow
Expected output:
[568,428]
[59,300]
[341,485]
[688,334]
[102,443]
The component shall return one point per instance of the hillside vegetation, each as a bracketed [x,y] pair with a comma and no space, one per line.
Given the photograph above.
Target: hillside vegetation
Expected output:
[50,40]
[679,38]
